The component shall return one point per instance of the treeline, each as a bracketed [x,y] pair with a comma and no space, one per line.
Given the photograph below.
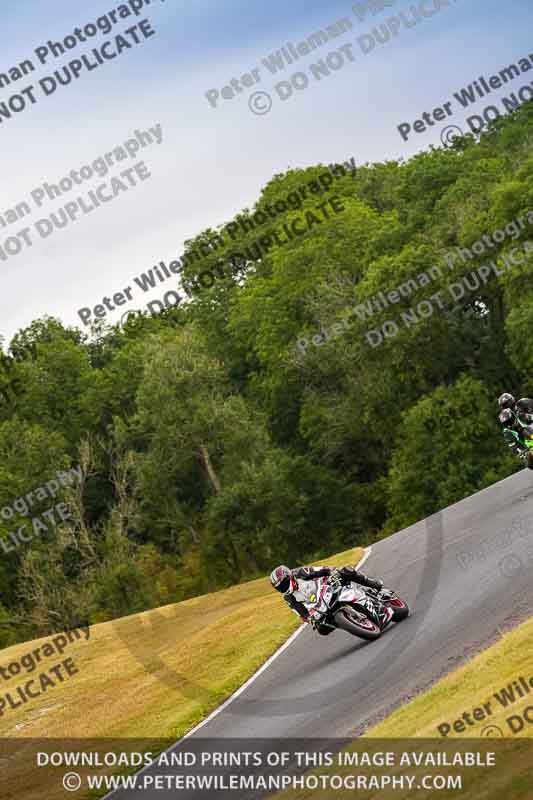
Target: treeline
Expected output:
[213,447]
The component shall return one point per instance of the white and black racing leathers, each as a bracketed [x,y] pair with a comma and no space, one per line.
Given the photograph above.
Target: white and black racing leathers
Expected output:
[304,593]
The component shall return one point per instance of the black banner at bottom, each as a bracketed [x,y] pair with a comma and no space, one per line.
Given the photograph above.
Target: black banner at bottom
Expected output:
[198,768]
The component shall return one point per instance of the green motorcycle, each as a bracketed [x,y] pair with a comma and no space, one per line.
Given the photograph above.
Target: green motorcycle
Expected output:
[524,439]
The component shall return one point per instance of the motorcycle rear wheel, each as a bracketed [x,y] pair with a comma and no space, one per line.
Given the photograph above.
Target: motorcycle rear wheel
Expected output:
[347,620]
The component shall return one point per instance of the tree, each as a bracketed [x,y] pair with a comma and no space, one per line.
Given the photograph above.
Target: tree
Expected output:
[448,446]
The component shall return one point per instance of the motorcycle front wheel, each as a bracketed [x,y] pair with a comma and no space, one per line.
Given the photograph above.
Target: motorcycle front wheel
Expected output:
[400,609]
[352,621]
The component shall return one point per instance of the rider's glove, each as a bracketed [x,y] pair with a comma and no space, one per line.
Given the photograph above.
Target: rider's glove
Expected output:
[313,618]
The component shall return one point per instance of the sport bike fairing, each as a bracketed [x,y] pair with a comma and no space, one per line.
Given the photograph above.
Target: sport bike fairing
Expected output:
[316,593]
[309,592]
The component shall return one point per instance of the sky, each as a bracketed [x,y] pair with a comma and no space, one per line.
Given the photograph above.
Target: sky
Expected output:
[212,161]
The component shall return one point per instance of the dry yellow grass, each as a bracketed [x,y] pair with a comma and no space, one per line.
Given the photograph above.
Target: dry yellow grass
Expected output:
[414,727]
[468,688]
[152,675]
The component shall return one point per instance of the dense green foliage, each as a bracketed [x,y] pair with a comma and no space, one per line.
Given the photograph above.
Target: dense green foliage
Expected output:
[214,447]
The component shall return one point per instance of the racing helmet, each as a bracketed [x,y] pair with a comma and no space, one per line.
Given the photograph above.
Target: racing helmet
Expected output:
[507,418]
[506,400]
[281,579]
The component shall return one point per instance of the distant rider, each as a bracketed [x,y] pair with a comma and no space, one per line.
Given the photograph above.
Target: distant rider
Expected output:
[514,417]
[298,587]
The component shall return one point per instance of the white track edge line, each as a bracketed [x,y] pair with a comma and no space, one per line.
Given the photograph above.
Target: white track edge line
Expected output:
[241,689]
[261,669]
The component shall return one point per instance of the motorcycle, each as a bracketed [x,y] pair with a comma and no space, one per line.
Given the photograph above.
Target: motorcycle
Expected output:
[361,611]
[525,439]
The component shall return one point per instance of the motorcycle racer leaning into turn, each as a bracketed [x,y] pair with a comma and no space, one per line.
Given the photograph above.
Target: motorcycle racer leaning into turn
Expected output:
[516,418]
[299,589]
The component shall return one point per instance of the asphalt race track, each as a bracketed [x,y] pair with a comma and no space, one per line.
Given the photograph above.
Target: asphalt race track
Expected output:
[467,576]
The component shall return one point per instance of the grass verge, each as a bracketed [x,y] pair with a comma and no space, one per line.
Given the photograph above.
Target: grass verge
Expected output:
[152,675]
[487,705]
[490,682]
